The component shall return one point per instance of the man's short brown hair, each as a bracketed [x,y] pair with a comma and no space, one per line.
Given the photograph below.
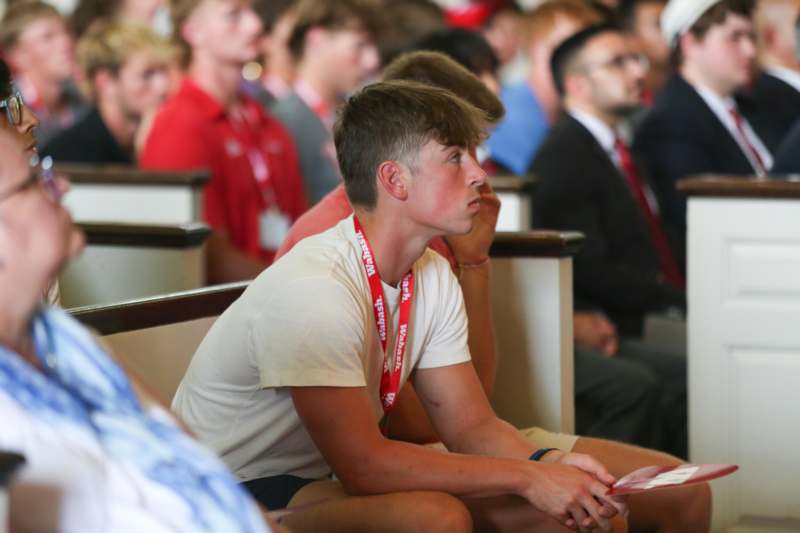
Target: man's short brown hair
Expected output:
[714,16]
[435,68]
[539,22]
[20,15]
[392,121]
[359,15]
[108,46]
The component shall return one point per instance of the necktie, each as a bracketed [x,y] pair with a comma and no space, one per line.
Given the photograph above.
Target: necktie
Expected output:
[669,267]
[755,156]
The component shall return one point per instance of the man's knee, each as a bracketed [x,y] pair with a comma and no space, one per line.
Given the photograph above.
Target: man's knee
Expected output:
[439,512]
[694,508]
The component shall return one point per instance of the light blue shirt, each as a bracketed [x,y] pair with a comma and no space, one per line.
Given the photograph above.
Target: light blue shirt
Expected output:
[516,139]
[82,391]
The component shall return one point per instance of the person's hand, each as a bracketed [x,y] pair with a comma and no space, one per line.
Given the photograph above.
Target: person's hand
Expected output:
[573,489]
[473,247]
[594,330]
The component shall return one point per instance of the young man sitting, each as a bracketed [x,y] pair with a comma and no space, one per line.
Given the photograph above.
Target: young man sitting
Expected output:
[126,69]
[311,337]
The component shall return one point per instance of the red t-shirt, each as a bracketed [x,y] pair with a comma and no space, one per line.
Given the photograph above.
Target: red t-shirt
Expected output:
[252,158]
[330,211]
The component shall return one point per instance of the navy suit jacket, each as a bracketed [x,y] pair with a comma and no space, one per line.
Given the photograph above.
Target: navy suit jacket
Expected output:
[771,106]
[787,157]
[681,136]
[580,188]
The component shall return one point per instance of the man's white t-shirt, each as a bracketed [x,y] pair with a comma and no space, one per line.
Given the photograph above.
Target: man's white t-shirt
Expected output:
[308,321]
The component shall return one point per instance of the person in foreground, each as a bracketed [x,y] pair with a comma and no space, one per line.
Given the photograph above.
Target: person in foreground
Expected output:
[303,346]
[101,455]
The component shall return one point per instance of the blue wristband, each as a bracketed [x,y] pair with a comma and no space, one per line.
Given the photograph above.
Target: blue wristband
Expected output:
[538,454]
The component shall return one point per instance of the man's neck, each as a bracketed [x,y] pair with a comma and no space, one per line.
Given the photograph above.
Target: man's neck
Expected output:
[609,119]
[773,61]
[697,78]
[315,78]
[220,80]
[396,246]
[15,329]
[122,127]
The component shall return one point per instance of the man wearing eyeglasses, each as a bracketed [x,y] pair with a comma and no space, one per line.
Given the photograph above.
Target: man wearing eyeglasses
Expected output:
[20,121]
[589,182]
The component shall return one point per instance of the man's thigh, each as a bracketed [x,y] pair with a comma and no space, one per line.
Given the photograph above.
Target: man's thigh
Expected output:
[325,506]
[541,438]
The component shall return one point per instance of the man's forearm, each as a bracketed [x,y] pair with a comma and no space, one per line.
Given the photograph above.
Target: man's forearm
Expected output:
[394,466]
[482,346]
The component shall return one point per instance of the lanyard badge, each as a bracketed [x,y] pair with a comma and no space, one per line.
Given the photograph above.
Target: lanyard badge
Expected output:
[390,376]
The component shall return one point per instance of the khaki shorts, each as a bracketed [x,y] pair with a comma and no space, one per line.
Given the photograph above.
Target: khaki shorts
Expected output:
[541,438]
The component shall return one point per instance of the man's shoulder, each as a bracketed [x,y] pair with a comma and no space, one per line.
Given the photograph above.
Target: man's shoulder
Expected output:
[292,107]
[566,145]
[677,102]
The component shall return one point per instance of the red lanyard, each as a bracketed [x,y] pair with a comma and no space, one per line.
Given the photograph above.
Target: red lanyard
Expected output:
[390,378]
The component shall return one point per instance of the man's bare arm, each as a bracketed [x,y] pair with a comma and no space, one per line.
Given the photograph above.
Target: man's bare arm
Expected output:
[409,421]
[342,425]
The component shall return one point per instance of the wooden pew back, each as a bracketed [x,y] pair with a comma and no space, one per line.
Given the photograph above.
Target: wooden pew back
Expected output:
[125,261]
[531,301]
[122,194]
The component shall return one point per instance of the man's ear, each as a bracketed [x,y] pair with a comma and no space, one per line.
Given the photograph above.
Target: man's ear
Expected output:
[573,83]
[391,177]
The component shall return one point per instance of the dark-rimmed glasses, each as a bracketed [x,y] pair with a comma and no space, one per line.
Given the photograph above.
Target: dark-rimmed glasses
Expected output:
[621,61]
[13,106]
[41,173]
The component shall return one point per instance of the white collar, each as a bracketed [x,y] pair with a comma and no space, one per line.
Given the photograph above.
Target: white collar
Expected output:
[721,107]
[790,76]
[602,132]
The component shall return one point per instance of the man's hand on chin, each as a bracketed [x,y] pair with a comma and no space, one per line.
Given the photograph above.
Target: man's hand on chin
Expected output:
[473,248]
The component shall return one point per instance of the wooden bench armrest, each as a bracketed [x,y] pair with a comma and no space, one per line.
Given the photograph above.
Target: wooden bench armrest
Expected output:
[146,235]
[740,186]
[159,310]
[129,175]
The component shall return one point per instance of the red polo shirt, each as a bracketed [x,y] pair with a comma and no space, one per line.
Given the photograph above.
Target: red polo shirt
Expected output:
[252,158]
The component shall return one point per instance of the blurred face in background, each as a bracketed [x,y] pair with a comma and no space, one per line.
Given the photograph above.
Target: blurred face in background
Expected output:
[724,58]
[647,32]
[141,85]
[349,56]
[45,50]
[226,31]
[611,76]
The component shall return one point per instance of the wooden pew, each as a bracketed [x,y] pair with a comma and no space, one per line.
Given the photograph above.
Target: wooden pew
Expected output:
[531,301]
[515,193]
[120,194]
[744,346]
[124,261]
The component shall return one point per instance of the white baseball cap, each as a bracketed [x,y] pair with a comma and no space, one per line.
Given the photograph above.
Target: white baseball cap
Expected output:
[680,15]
